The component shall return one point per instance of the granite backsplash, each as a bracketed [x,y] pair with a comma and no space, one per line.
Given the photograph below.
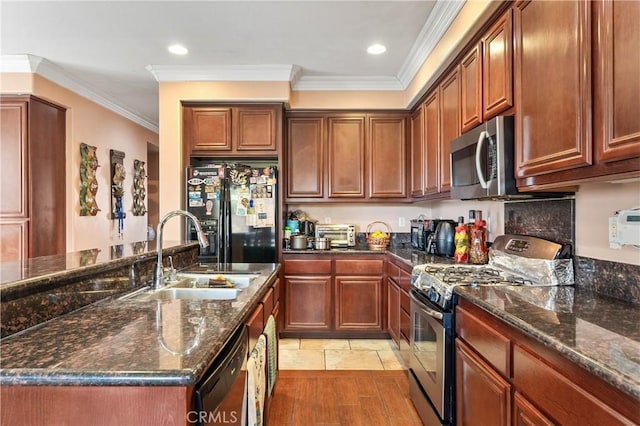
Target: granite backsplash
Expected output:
[555,220]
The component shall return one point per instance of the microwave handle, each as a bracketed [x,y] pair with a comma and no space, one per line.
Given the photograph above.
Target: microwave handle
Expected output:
[481,139]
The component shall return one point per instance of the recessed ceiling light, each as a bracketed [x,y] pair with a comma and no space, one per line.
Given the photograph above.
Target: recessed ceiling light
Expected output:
[376,49]
[178,49]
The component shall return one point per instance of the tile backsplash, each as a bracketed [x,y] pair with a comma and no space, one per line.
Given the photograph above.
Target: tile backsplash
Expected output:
[555,220]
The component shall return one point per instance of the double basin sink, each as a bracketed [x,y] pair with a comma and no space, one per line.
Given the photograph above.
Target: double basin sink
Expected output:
[198,286]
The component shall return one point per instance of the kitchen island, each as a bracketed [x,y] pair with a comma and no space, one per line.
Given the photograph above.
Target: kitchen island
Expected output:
[119,360]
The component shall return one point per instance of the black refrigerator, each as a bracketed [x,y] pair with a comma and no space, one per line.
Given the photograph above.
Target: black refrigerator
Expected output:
[236,204]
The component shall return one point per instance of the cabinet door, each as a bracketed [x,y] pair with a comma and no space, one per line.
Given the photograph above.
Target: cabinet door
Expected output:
[346,145]
[450,124]
[393,310]
[387,154]
[305,158]
[207,128]
[13,155]
[431,142]
[255,324]
[616,81]
[525,414]
[255,129]
[553,86]
[308,303]
[471,88]
[416,155]
[483,397]
[14,237]
[497,67]
[358,303]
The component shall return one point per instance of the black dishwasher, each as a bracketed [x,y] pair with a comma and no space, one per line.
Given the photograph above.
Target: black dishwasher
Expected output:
[220,397]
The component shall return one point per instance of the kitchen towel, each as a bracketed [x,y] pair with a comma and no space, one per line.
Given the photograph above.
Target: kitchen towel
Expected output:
[270,333]
[256,382]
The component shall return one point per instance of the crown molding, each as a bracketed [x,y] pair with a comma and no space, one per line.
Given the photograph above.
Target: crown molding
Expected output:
[438,22]
[52,72]
[163,73]
[346,83]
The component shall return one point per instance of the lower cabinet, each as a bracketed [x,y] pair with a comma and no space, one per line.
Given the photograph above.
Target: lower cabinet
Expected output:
[398,305]
[505,377]
[393,310]
[334,295]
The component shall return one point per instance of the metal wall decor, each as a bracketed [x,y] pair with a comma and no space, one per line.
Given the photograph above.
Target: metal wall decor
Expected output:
[139,190]
[88,180]
[118,175]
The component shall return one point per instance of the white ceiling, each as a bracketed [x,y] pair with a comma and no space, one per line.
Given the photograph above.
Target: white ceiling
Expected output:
[116,51]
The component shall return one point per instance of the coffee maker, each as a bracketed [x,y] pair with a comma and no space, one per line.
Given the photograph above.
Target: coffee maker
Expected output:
[308,227]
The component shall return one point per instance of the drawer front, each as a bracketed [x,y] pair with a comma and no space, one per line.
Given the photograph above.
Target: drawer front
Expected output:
[491,345]
[557,396]
[307,266]
[276,291]
[267,302]
[405,280]
[359,266]
[393,271]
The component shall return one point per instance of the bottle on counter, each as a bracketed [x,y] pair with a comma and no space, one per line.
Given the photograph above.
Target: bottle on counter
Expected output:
[461,240]
[287,238]
[478,252]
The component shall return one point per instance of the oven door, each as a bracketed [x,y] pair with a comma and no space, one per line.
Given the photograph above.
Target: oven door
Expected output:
[432,354]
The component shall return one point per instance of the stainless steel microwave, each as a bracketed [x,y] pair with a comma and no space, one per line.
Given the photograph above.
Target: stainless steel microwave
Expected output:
[342,235]
[482,161]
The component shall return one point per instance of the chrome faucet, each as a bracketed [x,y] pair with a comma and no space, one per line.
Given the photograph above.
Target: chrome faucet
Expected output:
[158,279]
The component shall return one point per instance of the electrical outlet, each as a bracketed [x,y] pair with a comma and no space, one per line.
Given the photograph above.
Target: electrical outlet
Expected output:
[401,221]
[327,219]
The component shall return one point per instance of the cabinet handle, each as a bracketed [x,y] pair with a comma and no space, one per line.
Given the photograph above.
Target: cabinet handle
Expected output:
[481,139]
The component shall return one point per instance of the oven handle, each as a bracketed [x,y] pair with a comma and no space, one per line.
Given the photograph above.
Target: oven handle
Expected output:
[431,312]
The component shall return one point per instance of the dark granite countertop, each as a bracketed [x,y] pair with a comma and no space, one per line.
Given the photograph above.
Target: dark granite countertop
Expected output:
[602,335]
[130,342]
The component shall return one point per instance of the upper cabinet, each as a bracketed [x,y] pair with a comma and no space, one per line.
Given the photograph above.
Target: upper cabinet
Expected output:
[431,160]
[553,86]
[211,130]
[449,125]
[577,92]
[486,75]
[417,150]
[616,81]
[346,157]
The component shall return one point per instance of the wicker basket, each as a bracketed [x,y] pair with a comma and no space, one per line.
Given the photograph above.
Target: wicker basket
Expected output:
[378,243]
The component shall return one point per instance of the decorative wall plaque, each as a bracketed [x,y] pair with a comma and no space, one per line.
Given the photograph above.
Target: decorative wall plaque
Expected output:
[139,190]
[118,175]
[88,180]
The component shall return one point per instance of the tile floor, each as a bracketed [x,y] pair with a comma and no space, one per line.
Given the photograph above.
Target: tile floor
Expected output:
[339,354]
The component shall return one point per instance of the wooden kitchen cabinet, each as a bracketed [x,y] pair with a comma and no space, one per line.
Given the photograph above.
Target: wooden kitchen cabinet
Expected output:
[432,143]
[552,53]
[393,310]
[32,156]
[358,303]
[398,304]
[616,82]
[449,125]
[305,157]
[211,130]
[346,157]
[308,293]
[417,154]
[502,373]
[482,395]
[497,67]
[387,156]
[471,88]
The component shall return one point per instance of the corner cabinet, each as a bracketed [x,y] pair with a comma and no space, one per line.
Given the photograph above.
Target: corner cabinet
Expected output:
[504,377]
[336,157]
[238,130]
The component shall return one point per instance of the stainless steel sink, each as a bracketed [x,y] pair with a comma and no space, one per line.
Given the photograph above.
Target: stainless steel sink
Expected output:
[202,280]
[172,293]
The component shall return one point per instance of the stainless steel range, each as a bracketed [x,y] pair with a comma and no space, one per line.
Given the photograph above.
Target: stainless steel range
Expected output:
[514,260]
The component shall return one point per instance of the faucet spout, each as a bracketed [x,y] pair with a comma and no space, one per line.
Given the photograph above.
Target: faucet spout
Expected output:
[202,240]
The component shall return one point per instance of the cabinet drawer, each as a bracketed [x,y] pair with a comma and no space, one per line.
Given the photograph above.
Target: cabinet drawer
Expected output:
[557,396]
[276,291]
[405,325]
[307,266]
[405,281]
[359,266]
[267,302]
[393,271]
[490,344]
